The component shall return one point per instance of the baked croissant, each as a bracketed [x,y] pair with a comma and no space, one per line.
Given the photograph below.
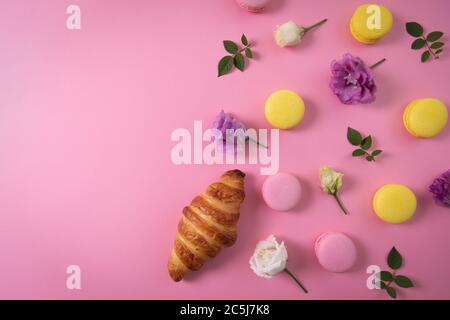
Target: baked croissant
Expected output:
[208,224]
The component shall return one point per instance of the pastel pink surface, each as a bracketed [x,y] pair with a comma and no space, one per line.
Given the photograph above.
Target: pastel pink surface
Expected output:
[85,123]
[282,191]
[253,5]
[335,251]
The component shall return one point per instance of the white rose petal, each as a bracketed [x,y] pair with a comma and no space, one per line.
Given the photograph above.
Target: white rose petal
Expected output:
[288,34]
[269,258]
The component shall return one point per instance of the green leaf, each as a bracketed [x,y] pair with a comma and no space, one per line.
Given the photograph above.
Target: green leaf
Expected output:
[394,259]
[225,65]
[403,281]
[435,35]
[230,46]
[425,56]
[391,292]
[370,158]
[418,44]
[437,45]
[385,275]
[383,285]
[239,61]
[353,136]
[244,40]
[438,51]
[248,53]
[376,152]
[358,153]
[366,143]
[414,29]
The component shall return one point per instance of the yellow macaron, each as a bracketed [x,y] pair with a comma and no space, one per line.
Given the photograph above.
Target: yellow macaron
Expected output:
[284,109]
[394,203]
[425,118]
[370,23]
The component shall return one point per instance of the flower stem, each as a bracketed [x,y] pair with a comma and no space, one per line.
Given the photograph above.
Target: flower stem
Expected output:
[295,279]
[257,142]
[428,47]
[378,63]
[246,47]
[340,203]
[393,277]
[315,25]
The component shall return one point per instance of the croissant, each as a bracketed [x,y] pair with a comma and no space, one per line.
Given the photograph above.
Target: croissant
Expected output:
[208,224]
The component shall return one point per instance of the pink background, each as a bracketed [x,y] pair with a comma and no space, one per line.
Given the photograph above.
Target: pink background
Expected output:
[85,124]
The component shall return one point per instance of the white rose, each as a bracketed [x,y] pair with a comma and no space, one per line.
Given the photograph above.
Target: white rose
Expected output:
[288,34]
[269,258]
[330,180]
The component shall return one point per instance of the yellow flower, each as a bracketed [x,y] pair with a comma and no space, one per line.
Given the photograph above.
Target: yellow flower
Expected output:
[330,180]
[331,183]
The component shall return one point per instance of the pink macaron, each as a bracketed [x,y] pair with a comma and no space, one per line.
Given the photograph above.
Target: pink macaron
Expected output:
[282,191]
[335,251]
[253,5]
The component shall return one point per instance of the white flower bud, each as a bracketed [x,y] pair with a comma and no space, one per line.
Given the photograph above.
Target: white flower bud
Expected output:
[269,258]
[288,34]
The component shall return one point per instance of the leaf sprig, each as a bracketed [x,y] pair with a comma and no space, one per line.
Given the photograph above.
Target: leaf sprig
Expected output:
[388,278]
[434,47]
[355,138]
[236,58]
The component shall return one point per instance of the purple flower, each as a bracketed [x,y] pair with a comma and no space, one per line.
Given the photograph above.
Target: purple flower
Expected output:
[224,122]
[440,188]
[352,81]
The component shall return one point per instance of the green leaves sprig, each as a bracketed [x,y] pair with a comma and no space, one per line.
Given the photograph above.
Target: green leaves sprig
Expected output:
[355,138]
[434,47]
[236,58]
[389,278]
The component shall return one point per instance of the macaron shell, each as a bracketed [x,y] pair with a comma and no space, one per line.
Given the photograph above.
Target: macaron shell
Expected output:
[425,118]
[282,191]
[359,38]
[253,5]
[394,203]
[284,109]
[335,251]
[360,30]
